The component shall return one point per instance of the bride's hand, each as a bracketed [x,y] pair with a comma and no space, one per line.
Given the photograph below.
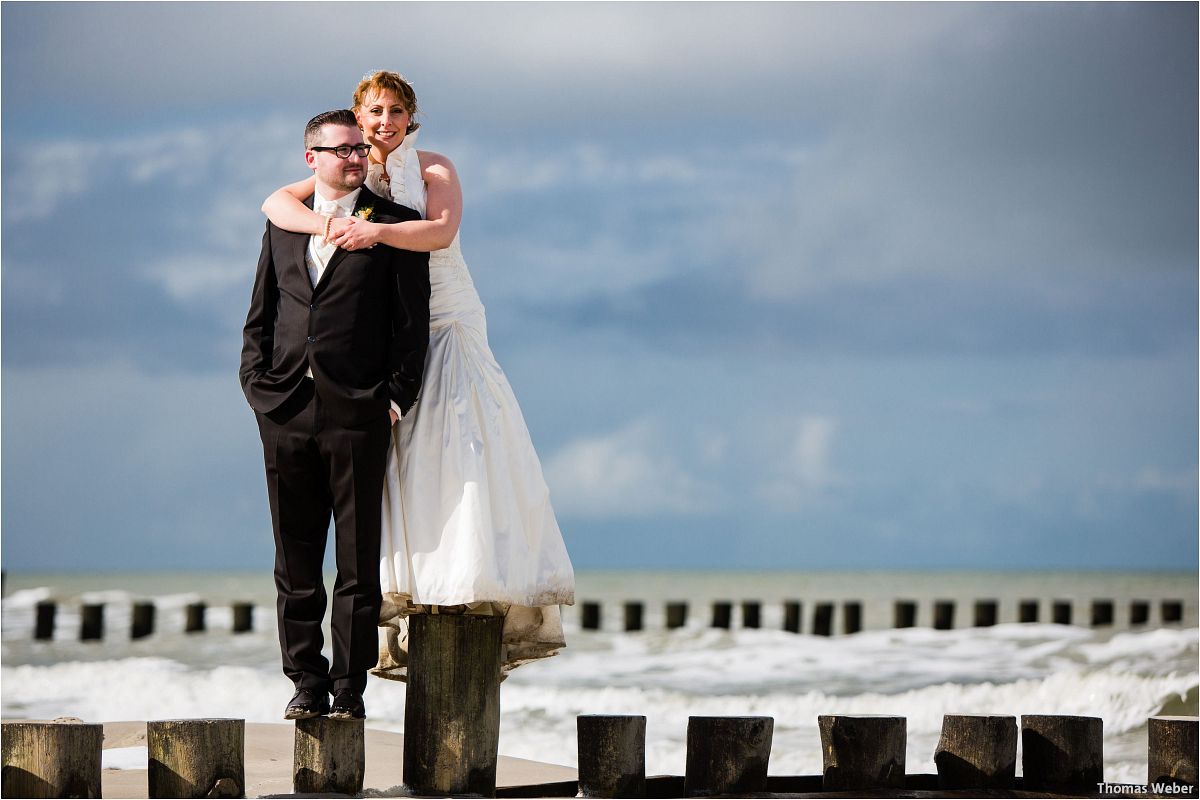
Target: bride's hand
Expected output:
[355,234]
[338,227]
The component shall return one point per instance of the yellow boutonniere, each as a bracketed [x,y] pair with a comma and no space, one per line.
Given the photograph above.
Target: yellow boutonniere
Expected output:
[365,213]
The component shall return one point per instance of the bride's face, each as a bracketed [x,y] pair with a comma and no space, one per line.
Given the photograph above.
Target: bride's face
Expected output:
[384,120]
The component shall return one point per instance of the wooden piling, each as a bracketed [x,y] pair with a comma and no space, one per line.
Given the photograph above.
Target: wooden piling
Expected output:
[612,755]
[44,614]
[904,614]
[452,705]
[986,613]
[727,755]
[1102,613]
[141,622]
[1171,753]
[977,751]
[1061,612]
[1062,754]
[791,615]
[851,616]
[51,759]
[196,757]
[633,616]
[943,615]
[91,622]
[589,616]
[195,618]
[1139,612]
[676,615]
[1172,611]
[751,614]
[1027,611]
[722,616]
[243,617]
[822,619]
[862,752]
[329,756]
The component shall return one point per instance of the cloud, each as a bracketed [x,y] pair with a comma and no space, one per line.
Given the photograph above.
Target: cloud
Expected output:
[805,470]
[628,472]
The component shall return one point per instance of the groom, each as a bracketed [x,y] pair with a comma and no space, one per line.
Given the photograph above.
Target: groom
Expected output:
[333,351]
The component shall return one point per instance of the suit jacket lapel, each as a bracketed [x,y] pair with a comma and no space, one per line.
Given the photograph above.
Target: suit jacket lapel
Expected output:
[299,246]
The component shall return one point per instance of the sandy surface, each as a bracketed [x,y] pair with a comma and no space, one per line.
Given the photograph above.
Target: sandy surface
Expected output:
[269,762]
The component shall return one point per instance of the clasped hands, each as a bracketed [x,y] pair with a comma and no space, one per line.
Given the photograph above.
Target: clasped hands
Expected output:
[352,233]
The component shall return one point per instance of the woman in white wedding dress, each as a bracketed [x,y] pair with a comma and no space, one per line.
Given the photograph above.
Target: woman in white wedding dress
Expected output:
[467,523]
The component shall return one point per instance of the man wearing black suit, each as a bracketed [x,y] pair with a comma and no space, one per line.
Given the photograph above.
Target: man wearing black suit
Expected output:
[333,352]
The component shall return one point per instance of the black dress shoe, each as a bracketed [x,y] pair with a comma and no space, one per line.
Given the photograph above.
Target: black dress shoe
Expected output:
[347,704]
[306,704]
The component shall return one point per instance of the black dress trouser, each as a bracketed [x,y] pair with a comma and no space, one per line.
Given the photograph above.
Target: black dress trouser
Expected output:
[315,468]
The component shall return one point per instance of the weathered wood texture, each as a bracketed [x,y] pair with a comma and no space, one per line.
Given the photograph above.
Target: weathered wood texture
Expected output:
[452,706]
[727,755]
[1062,753]
[612,755]
[862,752]
[977,751]
[329,756]
[676,615]
[51,759]
[1172,751]
[722,616]
[1061,612]
[751,614]
[196,757]
[1027,611]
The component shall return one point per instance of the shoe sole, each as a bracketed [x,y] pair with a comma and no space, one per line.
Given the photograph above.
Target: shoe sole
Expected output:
[303,714]
[345,716]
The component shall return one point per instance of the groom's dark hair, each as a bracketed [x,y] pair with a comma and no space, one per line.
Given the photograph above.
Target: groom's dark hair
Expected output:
[339,116]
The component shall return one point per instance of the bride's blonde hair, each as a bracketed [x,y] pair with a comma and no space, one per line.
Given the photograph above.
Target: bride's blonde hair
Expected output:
[384,81]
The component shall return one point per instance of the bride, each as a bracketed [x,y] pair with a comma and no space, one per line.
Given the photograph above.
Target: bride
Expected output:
[467,524]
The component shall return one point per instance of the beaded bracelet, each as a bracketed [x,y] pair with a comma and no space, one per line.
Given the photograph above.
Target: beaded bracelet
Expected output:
[328,221]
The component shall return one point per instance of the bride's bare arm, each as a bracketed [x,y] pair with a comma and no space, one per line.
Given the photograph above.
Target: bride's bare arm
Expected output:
[285,207]
[443,212]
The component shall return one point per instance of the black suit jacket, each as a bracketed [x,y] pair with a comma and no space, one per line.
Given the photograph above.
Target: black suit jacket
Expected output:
[363,329]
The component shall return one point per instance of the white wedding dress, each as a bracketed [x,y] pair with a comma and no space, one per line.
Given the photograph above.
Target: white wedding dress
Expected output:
[467,523]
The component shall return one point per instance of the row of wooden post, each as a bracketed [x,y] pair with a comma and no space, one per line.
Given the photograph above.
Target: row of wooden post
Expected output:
[986,613]
[141,621]
[730,755]
[725,755]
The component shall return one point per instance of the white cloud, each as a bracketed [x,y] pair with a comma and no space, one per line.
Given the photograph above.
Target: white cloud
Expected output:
[624,473]
[804,471]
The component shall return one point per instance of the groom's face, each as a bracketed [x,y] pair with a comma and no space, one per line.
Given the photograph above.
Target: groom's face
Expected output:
[342,174]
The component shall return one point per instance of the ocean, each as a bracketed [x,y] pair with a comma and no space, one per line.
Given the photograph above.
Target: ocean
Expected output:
[1122,673]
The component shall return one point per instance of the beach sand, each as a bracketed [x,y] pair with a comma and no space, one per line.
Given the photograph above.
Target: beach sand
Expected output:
[269,762]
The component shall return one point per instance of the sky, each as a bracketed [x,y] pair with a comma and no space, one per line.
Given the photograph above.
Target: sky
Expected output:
[778,286]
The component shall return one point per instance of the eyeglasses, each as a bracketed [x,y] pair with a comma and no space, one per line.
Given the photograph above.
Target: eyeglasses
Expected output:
[343,151]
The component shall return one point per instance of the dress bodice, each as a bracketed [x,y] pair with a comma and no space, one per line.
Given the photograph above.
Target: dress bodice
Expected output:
[453,296]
